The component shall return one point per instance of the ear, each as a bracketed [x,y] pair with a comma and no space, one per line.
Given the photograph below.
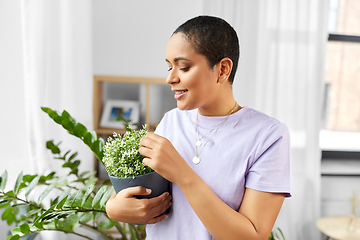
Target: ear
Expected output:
[225,67]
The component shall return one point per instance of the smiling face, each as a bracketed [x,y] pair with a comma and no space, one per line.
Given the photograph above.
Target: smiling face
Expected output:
[194,83]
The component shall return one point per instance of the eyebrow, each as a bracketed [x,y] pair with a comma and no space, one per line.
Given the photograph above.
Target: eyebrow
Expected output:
[178,59]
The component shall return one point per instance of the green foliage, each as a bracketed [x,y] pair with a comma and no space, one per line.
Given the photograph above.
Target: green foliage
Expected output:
[77,129]
[77,203]
[121,154]
[274,235]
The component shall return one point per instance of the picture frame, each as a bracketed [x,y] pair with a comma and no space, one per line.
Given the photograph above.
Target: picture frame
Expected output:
[114,110]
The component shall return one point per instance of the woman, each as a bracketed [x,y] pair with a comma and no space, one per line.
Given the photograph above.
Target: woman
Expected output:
[229,165]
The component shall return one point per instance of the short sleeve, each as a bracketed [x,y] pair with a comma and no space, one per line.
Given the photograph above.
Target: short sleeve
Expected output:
[270,170]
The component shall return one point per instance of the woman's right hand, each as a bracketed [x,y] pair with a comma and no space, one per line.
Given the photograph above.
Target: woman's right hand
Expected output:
[125,207]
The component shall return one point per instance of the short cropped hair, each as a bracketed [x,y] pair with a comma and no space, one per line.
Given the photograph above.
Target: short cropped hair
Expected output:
[213,38]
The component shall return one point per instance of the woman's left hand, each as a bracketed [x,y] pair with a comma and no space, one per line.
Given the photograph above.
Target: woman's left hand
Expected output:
[161,156]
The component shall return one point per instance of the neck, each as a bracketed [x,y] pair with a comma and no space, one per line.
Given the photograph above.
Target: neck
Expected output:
[220,109]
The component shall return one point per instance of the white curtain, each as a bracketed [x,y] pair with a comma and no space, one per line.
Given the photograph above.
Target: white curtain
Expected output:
[281,72]
[57,42]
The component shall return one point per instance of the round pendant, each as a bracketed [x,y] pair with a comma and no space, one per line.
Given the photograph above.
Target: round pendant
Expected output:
[196,160]
[198,143]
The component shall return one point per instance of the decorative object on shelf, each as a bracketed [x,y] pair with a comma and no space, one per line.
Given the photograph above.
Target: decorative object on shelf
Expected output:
[80,199]
[342,227]
[355,202]
[118,113]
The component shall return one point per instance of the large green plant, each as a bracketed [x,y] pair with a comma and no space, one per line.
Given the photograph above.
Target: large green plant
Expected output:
[79,202]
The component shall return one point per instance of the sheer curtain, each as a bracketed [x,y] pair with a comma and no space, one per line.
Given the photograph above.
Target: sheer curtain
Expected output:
[281,73]
[58,74]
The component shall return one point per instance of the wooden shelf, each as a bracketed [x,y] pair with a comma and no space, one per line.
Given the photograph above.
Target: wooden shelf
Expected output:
[98,102]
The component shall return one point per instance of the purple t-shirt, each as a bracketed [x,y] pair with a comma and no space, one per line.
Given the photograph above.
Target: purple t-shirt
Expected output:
[249,150]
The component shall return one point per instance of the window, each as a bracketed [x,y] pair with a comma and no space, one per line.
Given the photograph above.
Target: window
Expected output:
[341,122]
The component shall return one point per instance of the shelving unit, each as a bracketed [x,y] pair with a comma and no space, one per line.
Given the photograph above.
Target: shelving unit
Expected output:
[99,100]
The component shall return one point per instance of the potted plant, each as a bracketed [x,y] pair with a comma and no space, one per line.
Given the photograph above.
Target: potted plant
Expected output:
[123,162]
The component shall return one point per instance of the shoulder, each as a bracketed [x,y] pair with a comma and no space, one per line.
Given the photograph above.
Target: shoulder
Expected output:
[261,120]
[173,120]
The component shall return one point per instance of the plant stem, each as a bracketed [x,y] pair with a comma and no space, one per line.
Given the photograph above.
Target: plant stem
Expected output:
[121,230]
[22,200]
[96,229]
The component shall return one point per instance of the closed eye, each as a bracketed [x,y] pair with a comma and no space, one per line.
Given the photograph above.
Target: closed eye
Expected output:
[185,69]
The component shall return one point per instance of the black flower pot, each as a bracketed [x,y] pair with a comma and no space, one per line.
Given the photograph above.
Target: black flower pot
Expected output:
[152,180]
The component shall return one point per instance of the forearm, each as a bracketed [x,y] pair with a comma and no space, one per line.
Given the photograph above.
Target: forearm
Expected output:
[219,219]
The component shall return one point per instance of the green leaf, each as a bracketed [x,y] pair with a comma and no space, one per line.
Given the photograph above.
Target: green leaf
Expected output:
[90,137]
[64,194]
[58,119]
[89,190]
[55,149]
[24,228]
[4,178]
[65,214]
[53,114]
[5,203]
[30,213]
[63,226]
[61,203]
[31,186]
[17,183]
[6,213]
[76,163]
[107,223]
[50,144]
[80,130]
[72,156]
[106,196]
[47,191]
[61,183]
[68,125]
[86,217]
[40,218]
[14,237]
[72,221]
[77,199]
[28,178]
[99,194]
[97,146]
[45,109]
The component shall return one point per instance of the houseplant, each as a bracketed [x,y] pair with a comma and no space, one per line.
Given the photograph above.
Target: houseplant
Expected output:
[78,202]
[123,162]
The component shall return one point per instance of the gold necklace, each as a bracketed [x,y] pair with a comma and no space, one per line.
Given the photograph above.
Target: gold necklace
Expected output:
[196,160]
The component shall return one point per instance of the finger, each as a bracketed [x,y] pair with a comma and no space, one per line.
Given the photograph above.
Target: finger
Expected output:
[148,162]
[148,142]
[157,219]
[146,152]
[160,207]
[132,191]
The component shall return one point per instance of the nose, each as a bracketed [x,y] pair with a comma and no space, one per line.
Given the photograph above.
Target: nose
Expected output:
[172,78]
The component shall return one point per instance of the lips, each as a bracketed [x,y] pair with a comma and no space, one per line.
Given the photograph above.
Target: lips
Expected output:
[179,93]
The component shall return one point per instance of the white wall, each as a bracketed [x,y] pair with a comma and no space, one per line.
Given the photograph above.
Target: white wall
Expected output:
[130,37]
[13,144]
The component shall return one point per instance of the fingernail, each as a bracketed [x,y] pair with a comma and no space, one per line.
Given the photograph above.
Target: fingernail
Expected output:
[148,190]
